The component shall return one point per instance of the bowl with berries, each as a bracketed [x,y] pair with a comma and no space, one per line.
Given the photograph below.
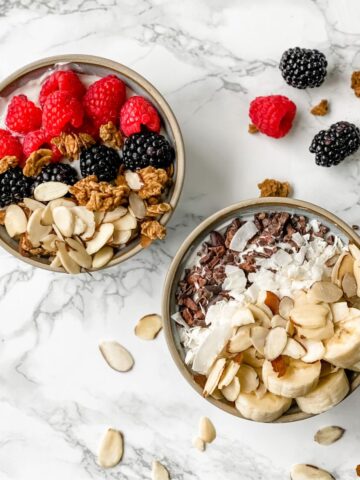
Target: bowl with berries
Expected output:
[91,163]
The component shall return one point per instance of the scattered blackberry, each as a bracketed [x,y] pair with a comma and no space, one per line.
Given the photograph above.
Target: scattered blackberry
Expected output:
[100,160]
[302,68]
[14,187]
[333,145]
[147,148]
[57,172]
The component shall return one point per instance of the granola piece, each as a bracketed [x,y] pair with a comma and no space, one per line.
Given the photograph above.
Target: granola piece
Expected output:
[355,83]
[2,217]
[252,128]
[27,249]
[154,180]
[110,135]
[153,230]
[8,162]
[70,144]
[37,161]
[321,108]
[273,188]
[158,209]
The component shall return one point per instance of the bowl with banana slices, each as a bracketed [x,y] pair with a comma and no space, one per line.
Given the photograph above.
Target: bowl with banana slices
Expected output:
[261,310]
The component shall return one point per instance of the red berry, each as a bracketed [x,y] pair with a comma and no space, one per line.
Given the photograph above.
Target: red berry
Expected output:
[10,145]
[23,115]
[138,111]
[61,111]
[103,100]
[40,139]
[64,80]
[272,115]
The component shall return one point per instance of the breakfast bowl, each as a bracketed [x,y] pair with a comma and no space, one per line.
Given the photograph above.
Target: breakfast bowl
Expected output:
[260,310]
[137,201]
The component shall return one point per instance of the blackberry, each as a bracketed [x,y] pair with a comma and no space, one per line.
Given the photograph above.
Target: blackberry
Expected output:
[100,160]
[57,172]
[147,148]
[302,68]
[14,187]
[333,145]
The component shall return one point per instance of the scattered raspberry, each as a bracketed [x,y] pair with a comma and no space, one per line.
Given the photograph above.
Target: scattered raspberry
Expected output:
[23,115]
[138,111]
[272,115]
[64,80]
[10,145]
[103,100]
[61,111]
[40,139]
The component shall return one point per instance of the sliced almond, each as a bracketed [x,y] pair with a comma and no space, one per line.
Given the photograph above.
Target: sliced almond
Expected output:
[253,358]
[111,449]
[15,221]
[127,222]
[116,356]
[309,316]
[64,220]
[275,343]
[79,226]
[159,472]
[133,179]
[228,374]
[258,336]
[32,204]
[231,391]
[120,237]
[309,472]
[285,306]
[207,431]
[343,265]
[315,350]
[326,292]
[329,435]
[148,326]
[67,262]
[294,349]
[58,233]
[199,444]
[100,238]
[355,251]
[349,285]
[50,191]
[99,217]
[249,379]
[356,272]
[49,242]
[290,328]
[88,218]
[260,316]
[272,301]
[35,229]
[242,316]
[78,253]
[240,341]
[102,257]
[137,205]
[214,376]
[278,321]
[114,215]
[56,263]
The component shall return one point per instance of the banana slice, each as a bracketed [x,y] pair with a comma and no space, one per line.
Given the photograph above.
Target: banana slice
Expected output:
[322,333]
[265,409]
[343,348]
[329,392]
[299,379]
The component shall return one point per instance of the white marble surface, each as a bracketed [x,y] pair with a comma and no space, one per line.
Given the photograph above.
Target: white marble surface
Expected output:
[209,59]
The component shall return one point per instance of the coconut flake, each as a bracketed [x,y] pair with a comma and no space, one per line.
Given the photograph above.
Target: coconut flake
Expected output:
[242,236]
[211,347]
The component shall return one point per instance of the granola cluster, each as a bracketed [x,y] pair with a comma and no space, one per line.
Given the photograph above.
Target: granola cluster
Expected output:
[36,162]
[110,135]
[7,162]
[154,182]
[70,144]
[274,188]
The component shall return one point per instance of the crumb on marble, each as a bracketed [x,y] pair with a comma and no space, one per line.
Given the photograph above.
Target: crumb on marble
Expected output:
[355,83]
[252,128]
[321,108]
[274,188]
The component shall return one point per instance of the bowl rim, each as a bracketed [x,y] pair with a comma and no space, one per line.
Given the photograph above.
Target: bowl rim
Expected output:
[167,113]
[236,208]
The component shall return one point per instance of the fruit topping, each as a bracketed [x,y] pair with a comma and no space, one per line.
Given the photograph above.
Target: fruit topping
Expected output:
[14,187]
[147,149]
[57,172]
[23,116]
[272,115]
[64,80]
[9,145]
[137,112]
[100,160]
[37,140]
[61,111]
[302,67]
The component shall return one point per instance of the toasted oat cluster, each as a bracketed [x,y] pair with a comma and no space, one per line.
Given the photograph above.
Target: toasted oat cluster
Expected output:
[268,315]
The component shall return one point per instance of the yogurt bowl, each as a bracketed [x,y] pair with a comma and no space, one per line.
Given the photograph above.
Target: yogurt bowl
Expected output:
[241,301]
[28,81]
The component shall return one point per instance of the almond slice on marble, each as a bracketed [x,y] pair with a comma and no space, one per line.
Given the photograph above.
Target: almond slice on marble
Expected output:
[159,472]
[116,356]
[231,391]
[278,321]
[88,218]
[258,336]
[349,285]
[137,206]
[133,179]
[229,373]
[199,444]
[214,376]
[207,431]
[309,472]
[249,379]
[315,350]
[78,253]
[35,229]
[127,222]
[101,237]
[32,204]
[329,435]
[111,449]
[148,327]
[326,292]
[102,257]
[50,191]
[285,306]
[240,341]
[15,221]
[275,343]
[120,237]
[309,315]
[294,349]
[67,262]
[64,220]
[114,215]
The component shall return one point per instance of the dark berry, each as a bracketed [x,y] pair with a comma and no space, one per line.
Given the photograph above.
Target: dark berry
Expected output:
[14,187]
[100,160]
[302,68]
[57,172]
[333,145]
[147,148]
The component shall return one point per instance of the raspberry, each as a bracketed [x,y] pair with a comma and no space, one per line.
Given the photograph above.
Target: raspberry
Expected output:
[9,145]
[64,80]
[272,115]
[103,100]
[39,139]
[61,111]
[138,111]
[23,115]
